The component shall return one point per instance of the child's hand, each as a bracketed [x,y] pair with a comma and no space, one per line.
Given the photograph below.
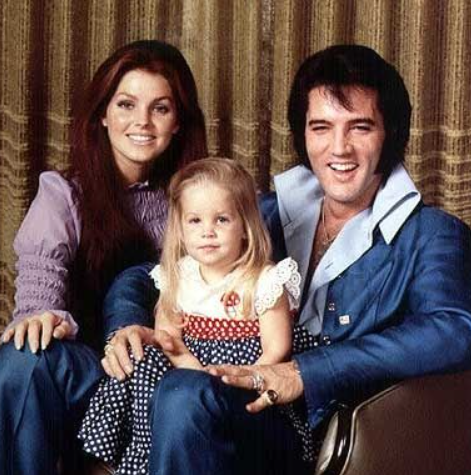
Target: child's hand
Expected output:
[176,351]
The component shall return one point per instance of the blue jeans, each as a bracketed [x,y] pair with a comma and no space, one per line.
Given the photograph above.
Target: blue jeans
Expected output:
[201,426]
[42,400]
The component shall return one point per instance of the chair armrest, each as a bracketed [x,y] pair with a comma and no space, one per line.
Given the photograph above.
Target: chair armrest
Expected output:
[418,427]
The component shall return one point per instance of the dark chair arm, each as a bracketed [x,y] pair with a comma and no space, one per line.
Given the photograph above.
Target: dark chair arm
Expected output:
[417,427]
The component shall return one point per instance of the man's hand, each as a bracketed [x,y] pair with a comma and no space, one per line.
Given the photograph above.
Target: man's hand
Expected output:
[282,378]
[128,340]
[38,328]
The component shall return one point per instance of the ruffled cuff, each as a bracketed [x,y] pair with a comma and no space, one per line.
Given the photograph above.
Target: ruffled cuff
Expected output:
[156,276]
[41,286]
[283,277]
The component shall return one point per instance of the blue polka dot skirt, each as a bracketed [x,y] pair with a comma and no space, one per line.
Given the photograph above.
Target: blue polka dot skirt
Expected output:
[116,429]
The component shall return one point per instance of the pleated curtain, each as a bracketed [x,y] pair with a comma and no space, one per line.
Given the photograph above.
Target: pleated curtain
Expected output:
[244,54]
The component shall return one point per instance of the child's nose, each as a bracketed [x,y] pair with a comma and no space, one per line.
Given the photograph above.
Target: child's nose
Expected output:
[208,230]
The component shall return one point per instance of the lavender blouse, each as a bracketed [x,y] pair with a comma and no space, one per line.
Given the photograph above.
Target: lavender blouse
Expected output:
[48,239]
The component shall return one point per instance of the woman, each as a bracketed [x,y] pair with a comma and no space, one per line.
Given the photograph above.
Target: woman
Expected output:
[139,122]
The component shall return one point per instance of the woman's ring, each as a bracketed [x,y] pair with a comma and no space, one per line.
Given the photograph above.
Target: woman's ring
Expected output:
[258,382]
[271,396]
[108,348]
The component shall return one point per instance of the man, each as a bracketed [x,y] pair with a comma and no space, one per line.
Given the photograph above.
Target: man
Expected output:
[385,278]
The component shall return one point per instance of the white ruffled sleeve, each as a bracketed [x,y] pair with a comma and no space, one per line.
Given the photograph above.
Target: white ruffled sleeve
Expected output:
[156,276]
[283,277]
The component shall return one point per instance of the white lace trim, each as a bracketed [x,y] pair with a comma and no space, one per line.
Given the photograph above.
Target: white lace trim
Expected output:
[284,276]
[156,276]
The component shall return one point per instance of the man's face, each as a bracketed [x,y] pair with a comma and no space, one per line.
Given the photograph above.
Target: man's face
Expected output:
[344,146]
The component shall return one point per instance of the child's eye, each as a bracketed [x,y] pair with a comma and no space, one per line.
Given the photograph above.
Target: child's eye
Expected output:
[194,220]
[223,219]
[125,104]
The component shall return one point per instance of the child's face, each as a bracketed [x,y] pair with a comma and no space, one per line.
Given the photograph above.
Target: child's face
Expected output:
[213,230]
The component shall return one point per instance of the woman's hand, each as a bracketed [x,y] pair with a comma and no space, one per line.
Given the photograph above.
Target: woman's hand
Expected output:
[38,328]
[277,384]
[126,341]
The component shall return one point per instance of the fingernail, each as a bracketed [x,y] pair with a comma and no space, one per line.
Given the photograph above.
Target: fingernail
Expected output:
[129,369]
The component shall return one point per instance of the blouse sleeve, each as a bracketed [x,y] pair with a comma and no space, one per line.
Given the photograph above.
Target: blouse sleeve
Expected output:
[283,277]
[46,245]
[156,276]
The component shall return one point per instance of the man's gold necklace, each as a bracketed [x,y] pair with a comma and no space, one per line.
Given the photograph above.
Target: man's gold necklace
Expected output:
[327,240]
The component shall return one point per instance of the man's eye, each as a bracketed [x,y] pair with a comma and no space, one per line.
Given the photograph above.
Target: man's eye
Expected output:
[362,128]
[318,128]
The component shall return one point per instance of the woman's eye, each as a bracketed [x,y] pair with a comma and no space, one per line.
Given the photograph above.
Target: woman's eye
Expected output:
[125,104]
[161,109]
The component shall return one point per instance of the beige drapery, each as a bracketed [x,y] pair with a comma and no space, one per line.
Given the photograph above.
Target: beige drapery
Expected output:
[244,54]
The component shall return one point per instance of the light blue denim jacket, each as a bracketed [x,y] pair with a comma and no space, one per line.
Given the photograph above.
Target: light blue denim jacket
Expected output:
[390,300]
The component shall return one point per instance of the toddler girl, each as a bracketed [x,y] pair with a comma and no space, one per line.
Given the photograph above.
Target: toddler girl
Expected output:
[221,302]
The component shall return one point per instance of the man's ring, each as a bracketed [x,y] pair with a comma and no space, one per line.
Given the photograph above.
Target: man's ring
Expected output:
[271,396]
[258,382]
[108,347]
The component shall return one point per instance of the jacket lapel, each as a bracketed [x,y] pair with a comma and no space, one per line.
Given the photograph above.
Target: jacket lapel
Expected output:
[298,194]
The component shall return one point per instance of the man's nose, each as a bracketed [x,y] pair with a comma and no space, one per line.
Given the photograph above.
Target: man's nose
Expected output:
[341,145]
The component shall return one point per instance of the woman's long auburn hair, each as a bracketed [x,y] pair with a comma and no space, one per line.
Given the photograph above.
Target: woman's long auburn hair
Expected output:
[111,239]
[256,250]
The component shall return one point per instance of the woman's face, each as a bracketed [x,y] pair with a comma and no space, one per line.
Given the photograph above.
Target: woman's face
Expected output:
[141,119]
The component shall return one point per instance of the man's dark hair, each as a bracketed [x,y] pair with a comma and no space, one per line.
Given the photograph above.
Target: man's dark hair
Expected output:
[339,67]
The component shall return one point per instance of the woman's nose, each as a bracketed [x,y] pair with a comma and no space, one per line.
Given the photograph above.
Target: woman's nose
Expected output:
[141,116]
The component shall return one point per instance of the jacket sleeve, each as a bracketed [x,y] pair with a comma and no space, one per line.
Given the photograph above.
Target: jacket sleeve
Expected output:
[130,300]
[432,333]
[271,216]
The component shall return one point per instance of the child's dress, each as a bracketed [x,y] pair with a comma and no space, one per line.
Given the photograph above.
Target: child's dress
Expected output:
[116,429]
